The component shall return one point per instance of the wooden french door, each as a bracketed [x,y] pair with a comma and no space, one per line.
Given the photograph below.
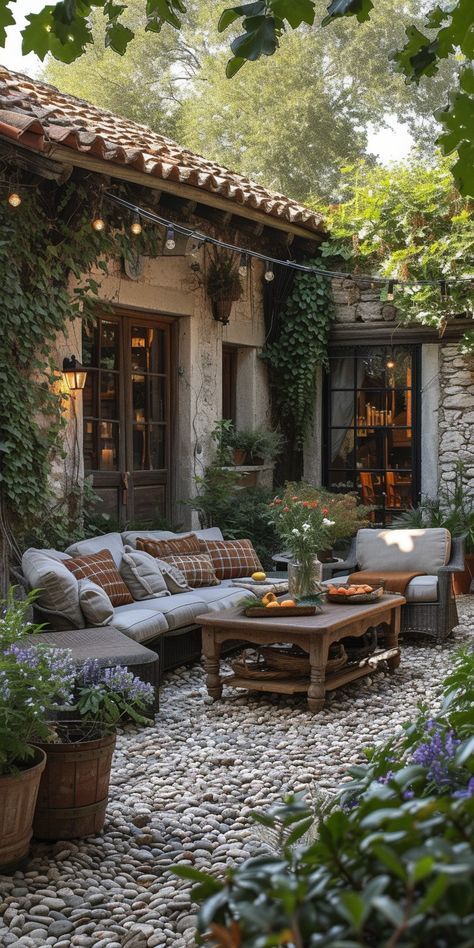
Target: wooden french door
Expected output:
[126,412]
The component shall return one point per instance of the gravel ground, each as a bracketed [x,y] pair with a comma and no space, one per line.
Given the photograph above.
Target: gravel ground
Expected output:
[182,792]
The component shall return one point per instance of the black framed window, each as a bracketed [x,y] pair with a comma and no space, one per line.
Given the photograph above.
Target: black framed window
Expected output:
[373,427]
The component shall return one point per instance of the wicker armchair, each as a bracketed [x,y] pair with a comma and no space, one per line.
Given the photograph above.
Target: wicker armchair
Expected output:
[435,620]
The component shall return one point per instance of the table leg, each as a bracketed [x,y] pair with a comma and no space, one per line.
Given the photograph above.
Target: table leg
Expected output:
[318,658]
[211,652]
[392,638]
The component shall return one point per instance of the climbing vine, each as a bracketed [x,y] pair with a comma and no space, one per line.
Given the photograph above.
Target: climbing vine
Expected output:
[299,349]
[47,253]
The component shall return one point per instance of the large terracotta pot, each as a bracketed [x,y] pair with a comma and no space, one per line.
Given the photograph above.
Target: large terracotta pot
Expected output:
[73,793]
[462,581]
[18,793]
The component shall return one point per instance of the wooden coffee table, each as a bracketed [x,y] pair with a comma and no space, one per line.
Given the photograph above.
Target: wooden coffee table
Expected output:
[314,634]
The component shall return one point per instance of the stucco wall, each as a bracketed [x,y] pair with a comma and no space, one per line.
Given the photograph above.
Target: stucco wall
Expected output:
[169,286]
[456,415]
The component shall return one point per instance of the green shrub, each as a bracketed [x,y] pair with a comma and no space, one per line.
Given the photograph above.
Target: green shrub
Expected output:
[392,865]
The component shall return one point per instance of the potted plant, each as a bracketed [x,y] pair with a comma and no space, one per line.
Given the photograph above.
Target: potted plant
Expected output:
[303,527]
[260,444]
[223,283]
[32,682]
[223,436]
[453,509]
[73,792]
[240,443]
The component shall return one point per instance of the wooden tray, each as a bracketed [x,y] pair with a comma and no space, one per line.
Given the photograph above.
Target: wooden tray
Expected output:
[260,612]
[361,598]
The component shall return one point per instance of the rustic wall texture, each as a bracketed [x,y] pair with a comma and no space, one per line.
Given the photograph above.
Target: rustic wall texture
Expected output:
[456,414]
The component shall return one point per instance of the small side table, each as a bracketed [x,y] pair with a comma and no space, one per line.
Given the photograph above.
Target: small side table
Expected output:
[108,647]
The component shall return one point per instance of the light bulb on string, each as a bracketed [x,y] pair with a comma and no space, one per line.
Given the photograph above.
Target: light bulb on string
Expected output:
[243,265]
[98,224]
[170,243]
[135,226]
[390,360]
[14,199]
[269,274]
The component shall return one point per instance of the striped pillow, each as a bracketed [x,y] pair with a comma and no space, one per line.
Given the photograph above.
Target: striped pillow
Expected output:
[232,559]
[178,546]
[101,569]
[197,569]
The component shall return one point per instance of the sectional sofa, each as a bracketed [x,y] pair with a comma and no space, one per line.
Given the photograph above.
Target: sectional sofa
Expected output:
[165,623]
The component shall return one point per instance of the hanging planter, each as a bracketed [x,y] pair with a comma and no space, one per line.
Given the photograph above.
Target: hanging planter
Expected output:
[223,285]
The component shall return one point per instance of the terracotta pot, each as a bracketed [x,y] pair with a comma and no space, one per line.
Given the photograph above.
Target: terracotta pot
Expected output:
[462,581]
[18,793]
[239,456]
[221,309]
[73,793]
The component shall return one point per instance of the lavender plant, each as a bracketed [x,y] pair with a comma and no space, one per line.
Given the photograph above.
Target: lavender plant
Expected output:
[104,697]
[34,681]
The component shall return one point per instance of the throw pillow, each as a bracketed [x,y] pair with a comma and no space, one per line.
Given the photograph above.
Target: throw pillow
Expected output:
[142,575]
[186,546]
[100,567]
[174,578]
[232,559]
[57,587]
[95,603]
[197,569]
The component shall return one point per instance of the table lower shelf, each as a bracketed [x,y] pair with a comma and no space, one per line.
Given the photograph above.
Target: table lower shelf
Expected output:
[291,686]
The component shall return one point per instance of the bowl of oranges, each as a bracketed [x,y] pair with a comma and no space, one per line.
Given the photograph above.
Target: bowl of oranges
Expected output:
[269,607]
[347,593]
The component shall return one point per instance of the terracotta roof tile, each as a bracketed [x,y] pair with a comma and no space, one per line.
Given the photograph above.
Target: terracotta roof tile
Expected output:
[37,113]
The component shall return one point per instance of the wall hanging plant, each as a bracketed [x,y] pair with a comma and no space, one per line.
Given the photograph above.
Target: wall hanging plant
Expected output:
[223,284]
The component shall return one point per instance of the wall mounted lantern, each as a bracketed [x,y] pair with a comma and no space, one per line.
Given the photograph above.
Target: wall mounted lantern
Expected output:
[75,374]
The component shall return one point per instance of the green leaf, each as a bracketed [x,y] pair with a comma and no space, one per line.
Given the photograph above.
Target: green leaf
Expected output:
[233,66]
[231,14]
[117,37]
[354,909]
[295,11]
[6,19]
[390,909]
[260,38]
[359,8]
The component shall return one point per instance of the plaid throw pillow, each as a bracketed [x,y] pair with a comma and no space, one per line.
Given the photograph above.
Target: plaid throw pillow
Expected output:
[196,569]
[232,559]
[101,569]
[179,546]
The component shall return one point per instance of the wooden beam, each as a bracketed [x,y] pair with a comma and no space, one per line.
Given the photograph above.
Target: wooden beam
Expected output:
[43,167]
[186,191]
[388,333]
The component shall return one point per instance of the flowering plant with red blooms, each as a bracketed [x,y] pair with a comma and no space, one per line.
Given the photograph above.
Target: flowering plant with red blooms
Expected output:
[302,525]
[344,510]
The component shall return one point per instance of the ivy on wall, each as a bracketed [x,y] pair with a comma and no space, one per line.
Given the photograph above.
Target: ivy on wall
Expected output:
[298,349]
[43,243]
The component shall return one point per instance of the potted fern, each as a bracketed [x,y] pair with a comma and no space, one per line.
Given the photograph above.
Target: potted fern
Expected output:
[223,284]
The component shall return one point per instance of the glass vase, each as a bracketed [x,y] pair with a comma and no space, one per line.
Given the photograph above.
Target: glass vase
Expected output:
[304,578]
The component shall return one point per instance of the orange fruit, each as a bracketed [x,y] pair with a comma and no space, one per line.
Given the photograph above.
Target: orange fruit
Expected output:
[342,591]
[272,605]
[288,602]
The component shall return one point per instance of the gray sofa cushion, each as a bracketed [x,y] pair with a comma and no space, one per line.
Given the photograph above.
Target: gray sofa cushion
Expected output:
[174,578]
[406,550]
[130,536]
[140,620]
[59,591]
[142,575]
[108,541]
[95,603]
[419,589]
[182,609]
[222,597]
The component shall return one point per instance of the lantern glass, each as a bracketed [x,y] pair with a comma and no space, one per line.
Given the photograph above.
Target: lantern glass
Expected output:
[75,374]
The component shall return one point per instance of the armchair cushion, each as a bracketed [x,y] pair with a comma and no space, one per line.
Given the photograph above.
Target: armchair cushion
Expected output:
[142,574]
[58,587]
[427,550]
[95,603]
[108,541]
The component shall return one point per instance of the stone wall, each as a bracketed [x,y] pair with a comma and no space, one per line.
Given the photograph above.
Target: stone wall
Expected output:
[360,303]
[456,415]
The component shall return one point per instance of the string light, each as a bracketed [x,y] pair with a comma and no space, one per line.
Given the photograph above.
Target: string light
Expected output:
[243,265]
[269,274]
[135,226]
[170,241]
[270,262]
[14,199]
[390,363]
[98,224]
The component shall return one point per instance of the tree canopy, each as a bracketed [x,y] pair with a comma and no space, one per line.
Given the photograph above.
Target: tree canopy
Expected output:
[64,30]
[408,223]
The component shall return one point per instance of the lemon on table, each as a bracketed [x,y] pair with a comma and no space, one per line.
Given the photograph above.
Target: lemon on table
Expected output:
[259,577]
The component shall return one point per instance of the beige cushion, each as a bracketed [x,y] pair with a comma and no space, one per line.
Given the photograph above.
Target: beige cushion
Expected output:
[95,603]
[140,621]
[58,587]
[130,536]
[419,589]
[142,575]
[406,550]
[181,610]
[109,541]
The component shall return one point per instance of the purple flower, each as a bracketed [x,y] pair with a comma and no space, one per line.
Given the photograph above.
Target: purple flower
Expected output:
[467,792]
[384,778]
[436,753]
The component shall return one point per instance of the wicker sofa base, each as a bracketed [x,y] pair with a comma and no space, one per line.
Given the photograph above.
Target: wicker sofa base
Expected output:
[427,620]
[182,647]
